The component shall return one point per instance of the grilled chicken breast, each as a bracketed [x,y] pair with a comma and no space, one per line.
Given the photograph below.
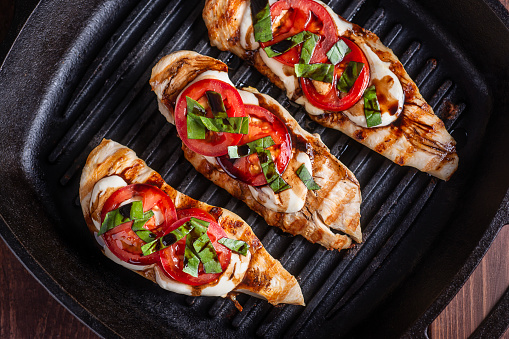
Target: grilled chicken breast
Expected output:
[111,165]
[414,137]
[329,216]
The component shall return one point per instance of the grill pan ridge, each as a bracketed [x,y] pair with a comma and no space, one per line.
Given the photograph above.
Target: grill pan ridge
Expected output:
[410,220]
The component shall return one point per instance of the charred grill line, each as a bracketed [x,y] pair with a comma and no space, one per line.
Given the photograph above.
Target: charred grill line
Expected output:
[375,21]
[112,54]
[393,35]
[108,98]
[409,53]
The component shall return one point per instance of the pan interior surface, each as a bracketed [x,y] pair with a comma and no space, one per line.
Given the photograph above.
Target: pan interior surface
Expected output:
[96,86]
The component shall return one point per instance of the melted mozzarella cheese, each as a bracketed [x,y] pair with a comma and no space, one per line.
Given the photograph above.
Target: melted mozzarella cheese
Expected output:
[249,98]
[228,280]
[111,182]
[247,39]
[290,81]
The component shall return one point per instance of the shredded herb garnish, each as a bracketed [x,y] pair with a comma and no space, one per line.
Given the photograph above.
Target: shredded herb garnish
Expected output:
[304,175]
[372,107]
[349,76]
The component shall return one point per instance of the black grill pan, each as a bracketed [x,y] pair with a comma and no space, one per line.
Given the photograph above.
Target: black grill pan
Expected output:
[79,71]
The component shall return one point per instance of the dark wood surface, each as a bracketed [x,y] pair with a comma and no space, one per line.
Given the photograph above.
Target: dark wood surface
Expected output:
[27,310]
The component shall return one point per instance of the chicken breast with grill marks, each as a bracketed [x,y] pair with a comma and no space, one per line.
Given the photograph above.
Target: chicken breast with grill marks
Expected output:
[111,165]
[414,137]
[329,216]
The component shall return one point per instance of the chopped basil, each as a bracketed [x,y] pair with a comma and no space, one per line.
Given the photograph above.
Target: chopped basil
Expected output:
[318,72]
[279,185]
[306,178]
[198,245]
[262,24]
[167,240]
[308,47]
[349,76]
[235,152]
[285,45]
[269,169]
[372,107]
[216,104]
[143,233]
[198,125]
[129,212]
[194,107]
[191,260]
[338,52]
[237,246]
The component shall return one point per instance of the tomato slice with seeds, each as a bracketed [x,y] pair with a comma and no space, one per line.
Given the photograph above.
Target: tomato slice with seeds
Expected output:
[262,123]
[335,100]
[215,143]
[172,257]
[294,16]
[122,240]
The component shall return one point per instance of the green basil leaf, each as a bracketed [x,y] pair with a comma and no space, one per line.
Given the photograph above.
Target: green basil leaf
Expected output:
[306,177]
[279,185]
[137,210]
[194,107]
[262,24]
[216,104]
[308,47]
[195,127]
[287,44]
[372,107]
[318,72]
[207,254]
[167,240]
[198,125]
[269,169]
[137,227]
[121,215]
[237,246]
[349,76]
[200,225]
[191,260]
[338,52]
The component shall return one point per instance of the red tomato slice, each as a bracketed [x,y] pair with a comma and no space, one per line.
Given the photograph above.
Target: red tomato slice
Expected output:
[262,123]
[172,258]
[295,16]
[215,143]
[195,212]
[122,240]
[335,100]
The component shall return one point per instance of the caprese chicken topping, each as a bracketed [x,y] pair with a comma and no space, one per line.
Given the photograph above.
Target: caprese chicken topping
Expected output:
[333,71]
[248,141]
[140,226]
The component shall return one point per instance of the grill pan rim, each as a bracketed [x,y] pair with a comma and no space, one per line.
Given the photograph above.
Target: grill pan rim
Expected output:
[87,317]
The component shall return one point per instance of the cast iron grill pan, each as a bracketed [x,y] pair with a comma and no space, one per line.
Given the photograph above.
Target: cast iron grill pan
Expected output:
[408,217]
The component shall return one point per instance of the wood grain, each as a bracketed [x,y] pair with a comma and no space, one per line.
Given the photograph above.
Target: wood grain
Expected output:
[479,294]
[27,310]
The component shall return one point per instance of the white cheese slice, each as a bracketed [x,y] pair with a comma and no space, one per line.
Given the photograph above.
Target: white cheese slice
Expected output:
[230,278]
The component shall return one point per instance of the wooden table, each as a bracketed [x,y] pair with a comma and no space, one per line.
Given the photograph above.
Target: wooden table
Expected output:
[27,310]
